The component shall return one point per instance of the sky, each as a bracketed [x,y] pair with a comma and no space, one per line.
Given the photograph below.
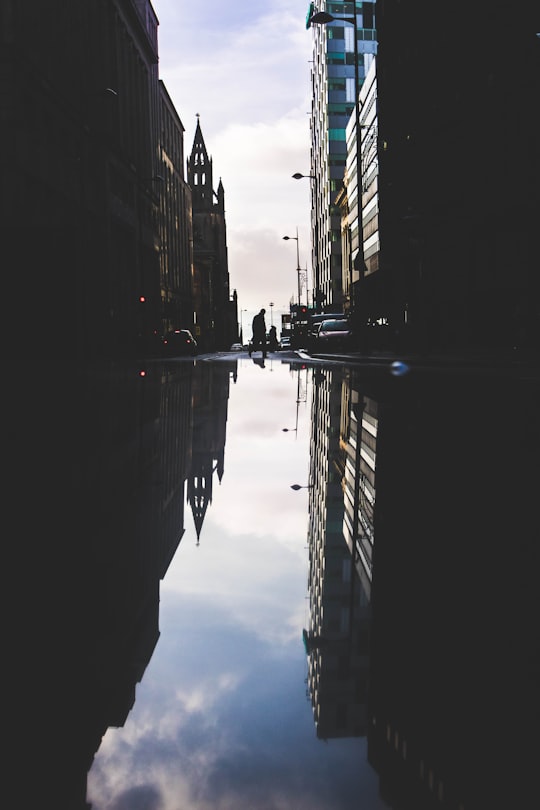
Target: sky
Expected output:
[244,68]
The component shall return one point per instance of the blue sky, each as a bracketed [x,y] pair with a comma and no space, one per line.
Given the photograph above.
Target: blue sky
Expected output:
[244,67]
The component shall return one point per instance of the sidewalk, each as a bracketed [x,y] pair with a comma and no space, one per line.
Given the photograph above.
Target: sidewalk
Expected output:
[485,362]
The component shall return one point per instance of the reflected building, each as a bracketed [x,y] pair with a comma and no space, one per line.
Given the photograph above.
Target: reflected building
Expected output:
[453,685]
[338,635]
[428,644]
[175,427]
[210,408]
[130,444]
[359,428]
[93,591]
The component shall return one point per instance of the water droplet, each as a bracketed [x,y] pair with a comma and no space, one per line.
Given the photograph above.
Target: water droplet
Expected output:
[398,369]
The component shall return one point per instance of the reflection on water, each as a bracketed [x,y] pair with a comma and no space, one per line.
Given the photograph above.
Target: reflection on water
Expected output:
[206,637]
[422,540]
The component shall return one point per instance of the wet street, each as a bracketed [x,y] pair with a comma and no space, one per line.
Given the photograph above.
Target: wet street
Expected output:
[205,635]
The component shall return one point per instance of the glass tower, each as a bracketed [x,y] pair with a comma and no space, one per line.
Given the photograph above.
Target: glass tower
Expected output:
[336,82]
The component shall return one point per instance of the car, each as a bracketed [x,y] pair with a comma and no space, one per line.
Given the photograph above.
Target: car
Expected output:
[236,347]
[332,335]
[314,323]
[285,342]
[179,342]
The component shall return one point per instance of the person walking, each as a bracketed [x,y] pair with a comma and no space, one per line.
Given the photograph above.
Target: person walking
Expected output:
[258,327]
[272,339]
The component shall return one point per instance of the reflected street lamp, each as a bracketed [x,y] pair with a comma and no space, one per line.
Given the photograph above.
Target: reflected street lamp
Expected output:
[300,486]
[295,428]
[298,270]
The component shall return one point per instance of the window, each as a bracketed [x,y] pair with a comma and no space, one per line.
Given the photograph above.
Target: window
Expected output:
[335,32]
[349,32]
[368,15]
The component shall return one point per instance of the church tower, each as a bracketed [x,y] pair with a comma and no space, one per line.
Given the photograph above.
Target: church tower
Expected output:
[199,173]
[216,326]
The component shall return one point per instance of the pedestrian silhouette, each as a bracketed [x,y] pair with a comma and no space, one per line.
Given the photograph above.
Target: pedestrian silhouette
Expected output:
[272,339]
[258,327]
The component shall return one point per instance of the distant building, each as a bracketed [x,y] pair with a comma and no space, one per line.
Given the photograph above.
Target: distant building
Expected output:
[216,326]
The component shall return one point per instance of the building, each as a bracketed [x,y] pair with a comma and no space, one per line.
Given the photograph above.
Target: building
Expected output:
[175,223]
[79,200]
[335,85]
[458,130]
[216,326]
[443,261]
[96,213]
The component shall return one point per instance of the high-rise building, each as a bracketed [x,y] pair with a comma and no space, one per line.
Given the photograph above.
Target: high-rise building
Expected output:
[336,82]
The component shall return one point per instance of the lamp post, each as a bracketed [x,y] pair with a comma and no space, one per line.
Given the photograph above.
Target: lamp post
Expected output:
[322,18]
[271,305]
[298,270]
[242,326]
[315,231]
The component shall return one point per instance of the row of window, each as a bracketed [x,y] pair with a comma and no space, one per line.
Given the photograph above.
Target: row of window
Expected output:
[337,32]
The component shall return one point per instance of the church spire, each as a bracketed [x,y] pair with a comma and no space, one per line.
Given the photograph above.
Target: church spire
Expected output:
[199,172]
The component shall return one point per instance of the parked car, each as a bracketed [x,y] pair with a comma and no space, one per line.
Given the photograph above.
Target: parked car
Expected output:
[331,335]
[236,347]
[314,325]
[179,342]
[285,342]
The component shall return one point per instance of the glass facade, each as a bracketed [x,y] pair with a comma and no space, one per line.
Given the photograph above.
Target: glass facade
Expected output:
[336,81]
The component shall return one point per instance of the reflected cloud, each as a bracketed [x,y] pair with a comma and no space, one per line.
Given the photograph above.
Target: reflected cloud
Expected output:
[255,582]
[236,741]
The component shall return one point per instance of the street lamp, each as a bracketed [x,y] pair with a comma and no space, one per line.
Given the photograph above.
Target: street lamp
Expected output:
[300,486]
[317,298]
[298,270]
[271,305]
[322,18]
[242,326]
